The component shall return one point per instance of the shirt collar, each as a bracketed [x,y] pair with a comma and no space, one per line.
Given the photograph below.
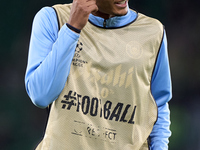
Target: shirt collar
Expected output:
[114,22]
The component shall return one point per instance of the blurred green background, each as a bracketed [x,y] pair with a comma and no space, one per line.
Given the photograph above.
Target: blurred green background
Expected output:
[22,124]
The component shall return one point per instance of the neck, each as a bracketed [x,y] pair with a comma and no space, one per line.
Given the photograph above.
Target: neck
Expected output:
[102,15]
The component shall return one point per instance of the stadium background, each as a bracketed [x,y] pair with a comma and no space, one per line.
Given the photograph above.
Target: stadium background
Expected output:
[22,124]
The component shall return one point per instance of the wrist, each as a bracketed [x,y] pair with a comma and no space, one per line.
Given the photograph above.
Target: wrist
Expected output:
[73,28]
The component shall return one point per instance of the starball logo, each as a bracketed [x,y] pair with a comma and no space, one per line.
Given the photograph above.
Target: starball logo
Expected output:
[77,61]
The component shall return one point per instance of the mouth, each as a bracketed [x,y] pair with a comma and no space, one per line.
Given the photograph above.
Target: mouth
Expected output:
[122,3]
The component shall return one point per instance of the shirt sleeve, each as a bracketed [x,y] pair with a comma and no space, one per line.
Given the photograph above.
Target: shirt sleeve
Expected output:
[162,93]
[50,55]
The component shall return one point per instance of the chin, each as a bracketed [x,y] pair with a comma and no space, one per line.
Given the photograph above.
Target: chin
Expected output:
[121,13]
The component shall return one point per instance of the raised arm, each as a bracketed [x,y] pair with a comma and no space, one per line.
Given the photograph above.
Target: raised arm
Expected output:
[50,56]
[51,52]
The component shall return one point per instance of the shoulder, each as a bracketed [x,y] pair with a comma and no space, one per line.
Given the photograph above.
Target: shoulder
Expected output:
[46,16]
[146,21]
[150,27]
[63,6]
[62,9]
[46,12]
[45,22]
[149,22]
[62,12]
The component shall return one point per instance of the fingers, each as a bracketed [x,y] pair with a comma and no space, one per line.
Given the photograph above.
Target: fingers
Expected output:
[86,6]
[91,6]
[80,11]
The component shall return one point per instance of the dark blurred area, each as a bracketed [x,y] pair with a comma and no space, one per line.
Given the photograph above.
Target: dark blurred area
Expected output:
[22,124]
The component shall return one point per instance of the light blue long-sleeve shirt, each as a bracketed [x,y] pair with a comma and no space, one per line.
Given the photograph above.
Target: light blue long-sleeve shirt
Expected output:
[50,54]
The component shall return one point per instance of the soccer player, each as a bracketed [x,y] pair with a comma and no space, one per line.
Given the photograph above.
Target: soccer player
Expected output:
[102,69]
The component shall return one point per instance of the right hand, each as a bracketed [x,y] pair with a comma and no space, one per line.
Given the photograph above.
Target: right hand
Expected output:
[80,12]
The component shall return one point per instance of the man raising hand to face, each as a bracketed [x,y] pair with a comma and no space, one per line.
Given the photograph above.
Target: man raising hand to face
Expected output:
[103,8]
[102,71]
